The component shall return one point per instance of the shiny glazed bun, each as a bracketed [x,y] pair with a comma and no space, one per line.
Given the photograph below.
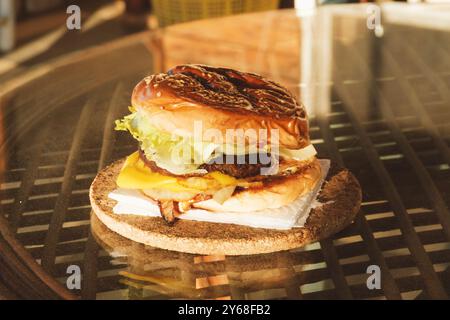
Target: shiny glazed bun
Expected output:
[221,99]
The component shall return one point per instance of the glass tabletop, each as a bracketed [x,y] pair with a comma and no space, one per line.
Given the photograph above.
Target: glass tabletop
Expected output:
[375,81]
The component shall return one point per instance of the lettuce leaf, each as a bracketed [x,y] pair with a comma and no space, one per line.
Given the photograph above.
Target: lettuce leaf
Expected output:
[183,155]
[177,154]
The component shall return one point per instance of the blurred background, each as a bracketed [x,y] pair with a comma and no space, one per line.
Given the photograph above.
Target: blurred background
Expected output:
[32,31]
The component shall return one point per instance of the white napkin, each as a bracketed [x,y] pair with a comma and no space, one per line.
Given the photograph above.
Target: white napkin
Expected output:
[294,214]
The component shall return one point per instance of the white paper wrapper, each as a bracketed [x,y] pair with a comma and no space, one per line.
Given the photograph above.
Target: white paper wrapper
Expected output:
[293,215]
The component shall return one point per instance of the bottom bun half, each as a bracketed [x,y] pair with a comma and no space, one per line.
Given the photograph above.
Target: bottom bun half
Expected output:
[276,192]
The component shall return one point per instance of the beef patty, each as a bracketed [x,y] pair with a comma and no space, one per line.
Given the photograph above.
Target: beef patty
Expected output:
[232,168]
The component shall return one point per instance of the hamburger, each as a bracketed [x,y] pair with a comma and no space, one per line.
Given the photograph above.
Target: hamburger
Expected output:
[219,140]
[223,165]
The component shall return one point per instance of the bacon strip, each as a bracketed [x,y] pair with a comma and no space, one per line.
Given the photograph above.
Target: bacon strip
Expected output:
[169,210]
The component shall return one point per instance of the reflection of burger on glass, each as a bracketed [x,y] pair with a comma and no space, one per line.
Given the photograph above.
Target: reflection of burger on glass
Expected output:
[219,151]
[185,275]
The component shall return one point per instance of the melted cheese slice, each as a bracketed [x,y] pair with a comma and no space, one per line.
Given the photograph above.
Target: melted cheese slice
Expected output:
[136,175]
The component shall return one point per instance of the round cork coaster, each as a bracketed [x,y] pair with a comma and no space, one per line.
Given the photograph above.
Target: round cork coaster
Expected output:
[340,197]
